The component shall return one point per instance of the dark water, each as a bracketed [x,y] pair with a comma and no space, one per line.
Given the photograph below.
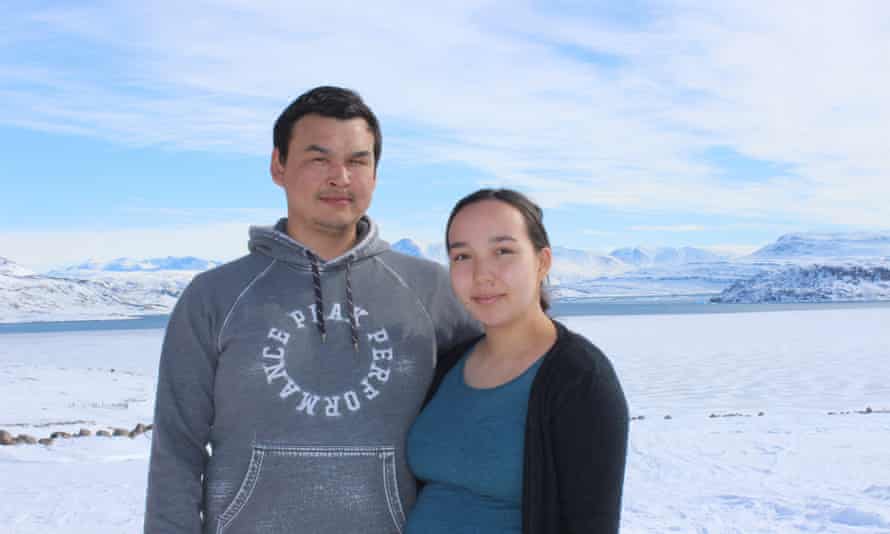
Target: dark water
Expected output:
[560,309]
[142,323]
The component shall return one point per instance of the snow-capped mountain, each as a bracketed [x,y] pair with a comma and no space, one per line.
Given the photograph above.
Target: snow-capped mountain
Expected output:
[815,245]
[45,298]
[572,265]
[814,283]
[10,268]
[568,264]
[94,290]
[855,269]
[407,246]
[170,263]
[643,257]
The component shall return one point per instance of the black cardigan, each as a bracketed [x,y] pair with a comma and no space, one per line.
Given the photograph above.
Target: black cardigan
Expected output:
[575,438]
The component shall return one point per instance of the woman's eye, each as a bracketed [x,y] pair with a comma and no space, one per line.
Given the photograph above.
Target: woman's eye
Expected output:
[458,257]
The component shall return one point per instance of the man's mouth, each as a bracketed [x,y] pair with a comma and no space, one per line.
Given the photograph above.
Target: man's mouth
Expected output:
[336,200]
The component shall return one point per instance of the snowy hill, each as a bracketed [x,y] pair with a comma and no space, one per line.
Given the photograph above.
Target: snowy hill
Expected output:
[813,245]
[815,283]
[642,256]
[50,298]
[568,264]
[10,268]
[780,272]
[572,265]
[118,289]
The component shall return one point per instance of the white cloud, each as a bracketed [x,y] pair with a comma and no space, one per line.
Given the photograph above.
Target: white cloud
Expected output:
[669,228]
[795,82]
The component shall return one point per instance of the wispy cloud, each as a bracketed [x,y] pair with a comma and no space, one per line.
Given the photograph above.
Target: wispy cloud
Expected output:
[577,109]
[670,228]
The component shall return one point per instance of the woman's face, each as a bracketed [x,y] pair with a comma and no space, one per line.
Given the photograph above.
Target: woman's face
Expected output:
[495,270]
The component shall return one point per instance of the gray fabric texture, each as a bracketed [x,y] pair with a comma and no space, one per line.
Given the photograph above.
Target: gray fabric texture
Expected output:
[282,405]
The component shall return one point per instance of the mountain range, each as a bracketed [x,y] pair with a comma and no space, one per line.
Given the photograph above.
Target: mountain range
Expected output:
[796,267]
[128,265]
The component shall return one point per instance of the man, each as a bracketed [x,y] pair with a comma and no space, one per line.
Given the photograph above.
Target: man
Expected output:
[289,377]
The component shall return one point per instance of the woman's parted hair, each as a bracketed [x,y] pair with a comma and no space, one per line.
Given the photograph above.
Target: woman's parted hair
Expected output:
[531,213]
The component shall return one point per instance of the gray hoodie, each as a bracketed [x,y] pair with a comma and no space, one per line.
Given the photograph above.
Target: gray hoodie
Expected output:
[287,385]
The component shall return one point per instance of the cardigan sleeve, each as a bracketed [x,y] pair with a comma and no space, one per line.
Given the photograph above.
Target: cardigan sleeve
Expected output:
[590,428]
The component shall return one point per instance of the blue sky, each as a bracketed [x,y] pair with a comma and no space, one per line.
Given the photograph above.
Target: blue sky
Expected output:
[145,130]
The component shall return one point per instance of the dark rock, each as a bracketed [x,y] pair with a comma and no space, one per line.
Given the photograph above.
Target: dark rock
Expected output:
[760,414]
[64,435]
[26,439]
[6,438]
[45,441]
[103,434]
[120,432]
[668,417]
[84,433]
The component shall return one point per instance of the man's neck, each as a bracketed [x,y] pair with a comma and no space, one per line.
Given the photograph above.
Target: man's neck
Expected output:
[327,245]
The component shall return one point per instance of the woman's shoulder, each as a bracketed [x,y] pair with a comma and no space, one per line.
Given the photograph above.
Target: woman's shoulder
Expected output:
[575,356]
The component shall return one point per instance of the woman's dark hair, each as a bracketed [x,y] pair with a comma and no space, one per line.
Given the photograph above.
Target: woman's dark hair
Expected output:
[531,214]
[327,101]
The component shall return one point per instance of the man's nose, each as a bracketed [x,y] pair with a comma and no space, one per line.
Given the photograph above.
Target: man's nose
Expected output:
[338,175]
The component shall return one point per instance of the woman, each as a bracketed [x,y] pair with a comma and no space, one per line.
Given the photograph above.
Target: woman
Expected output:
[525,429]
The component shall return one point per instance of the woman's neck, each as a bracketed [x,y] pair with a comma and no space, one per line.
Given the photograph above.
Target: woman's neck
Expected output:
[528,337]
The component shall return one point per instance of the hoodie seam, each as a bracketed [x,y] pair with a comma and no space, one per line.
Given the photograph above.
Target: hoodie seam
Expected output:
[244,291]
[401,280]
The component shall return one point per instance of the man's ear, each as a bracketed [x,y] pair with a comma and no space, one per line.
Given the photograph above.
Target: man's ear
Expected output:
[276,168]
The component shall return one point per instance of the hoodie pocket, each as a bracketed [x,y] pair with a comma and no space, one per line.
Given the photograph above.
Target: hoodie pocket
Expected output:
[316,489]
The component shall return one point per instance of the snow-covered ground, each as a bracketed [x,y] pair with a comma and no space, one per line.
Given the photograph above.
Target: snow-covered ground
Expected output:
[794,469]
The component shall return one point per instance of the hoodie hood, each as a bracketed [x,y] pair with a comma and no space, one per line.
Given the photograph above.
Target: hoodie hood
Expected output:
[274,241]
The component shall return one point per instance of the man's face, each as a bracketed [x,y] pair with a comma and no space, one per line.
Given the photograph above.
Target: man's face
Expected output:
[329,175]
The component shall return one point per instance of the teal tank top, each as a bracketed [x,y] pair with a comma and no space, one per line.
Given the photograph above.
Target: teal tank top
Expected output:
[467,445]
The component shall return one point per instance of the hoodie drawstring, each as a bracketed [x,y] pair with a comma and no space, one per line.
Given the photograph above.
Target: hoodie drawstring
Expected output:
[350,308]
[319,301]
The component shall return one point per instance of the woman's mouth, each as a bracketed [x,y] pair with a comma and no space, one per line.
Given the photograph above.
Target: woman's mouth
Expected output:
[485,299]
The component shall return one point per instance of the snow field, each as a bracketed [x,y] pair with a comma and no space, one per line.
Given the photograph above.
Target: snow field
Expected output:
[795,469]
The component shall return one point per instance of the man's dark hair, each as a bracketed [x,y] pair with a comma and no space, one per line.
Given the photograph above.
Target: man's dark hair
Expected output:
[531,214]
[327,101]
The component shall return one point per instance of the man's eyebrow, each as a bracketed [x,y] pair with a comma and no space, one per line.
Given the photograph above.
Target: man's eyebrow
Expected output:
[361,154]
[316,148]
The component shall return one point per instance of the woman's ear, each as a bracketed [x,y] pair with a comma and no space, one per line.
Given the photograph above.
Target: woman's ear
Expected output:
[545,261]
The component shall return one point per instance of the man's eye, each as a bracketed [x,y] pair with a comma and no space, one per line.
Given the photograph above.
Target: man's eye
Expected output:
[502,251]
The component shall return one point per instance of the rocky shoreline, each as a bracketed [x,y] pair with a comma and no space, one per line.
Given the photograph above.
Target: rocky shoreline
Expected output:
[7,438]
